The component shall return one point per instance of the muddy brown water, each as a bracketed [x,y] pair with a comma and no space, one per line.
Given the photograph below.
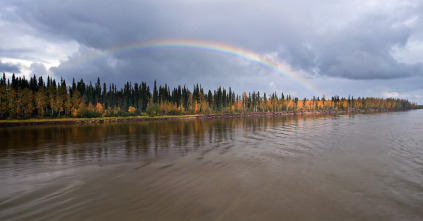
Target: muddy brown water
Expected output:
[334,167]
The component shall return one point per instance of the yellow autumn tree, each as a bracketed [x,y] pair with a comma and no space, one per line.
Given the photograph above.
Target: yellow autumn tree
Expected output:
[99,108]
[131,109]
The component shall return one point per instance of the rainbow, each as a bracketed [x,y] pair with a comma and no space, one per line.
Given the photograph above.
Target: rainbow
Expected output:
[214,47]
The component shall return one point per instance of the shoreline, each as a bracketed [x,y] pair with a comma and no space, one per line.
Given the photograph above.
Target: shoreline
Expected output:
[64,121]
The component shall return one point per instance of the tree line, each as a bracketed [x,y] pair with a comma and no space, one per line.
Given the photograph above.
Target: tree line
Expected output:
[38,98]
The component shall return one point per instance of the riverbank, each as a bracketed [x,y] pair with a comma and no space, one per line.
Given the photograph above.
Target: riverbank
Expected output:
[5,123]
[59,121]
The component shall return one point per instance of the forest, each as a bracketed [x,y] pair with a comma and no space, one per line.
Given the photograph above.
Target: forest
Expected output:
[38,98]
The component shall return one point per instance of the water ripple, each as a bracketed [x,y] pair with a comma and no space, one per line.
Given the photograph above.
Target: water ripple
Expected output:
[343,167]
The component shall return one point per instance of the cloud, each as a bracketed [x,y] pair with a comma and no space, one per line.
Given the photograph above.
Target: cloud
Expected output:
[409,95]
[38,69]
[89,64]
[307,38]
[9,67]
[166,65]
[357,41]
[392,94]
[411,53]
[359,49]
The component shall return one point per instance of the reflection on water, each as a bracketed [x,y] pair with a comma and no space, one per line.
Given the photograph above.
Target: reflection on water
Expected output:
[343,167]
[139,140]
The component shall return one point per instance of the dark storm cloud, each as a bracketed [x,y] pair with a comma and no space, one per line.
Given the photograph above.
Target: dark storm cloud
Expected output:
[9,67]
[319,37]
[76,66]
[171,66]
[97,24]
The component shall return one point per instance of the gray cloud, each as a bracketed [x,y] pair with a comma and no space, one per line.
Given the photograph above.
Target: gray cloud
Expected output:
[358,49]
[75,67]
[38,69]
[362,50]
[171,66]
[14,52]
[97,24]
[9,67]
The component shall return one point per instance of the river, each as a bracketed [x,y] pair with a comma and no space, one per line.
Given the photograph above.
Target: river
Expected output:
[330,167]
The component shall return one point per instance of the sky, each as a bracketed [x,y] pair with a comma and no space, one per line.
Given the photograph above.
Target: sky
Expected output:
[304,48]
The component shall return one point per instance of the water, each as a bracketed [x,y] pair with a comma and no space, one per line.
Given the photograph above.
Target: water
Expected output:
[344,167]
